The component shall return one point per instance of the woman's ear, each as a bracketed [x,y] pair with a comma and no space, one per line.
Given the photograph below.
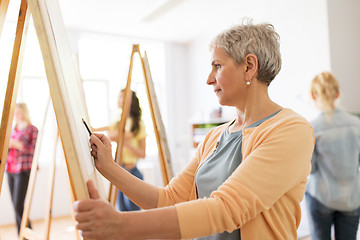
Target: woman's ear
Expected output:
[251,63]
[313,96]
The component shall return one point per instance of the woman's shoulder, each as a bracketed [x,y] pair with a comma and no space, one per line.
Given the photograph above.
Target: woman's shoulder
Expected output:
[32,128]
[355,120]
[142,130]
[339,118]
[142,125]
[286,123]
[289,116]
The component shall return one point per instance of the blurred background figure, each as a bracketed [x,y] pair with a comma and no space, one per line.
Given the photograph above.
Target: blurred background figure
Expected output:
[19,159]
[333,190]
[134,147]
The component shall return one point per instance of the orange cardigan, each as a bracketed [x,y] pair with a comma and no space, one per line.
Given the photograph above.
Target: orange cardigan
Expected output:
[262,197]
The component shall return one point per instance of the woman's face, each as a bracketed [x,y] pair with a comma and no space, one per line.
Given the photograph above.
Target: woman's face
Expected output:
[121,99]
[227,77]
[19,114]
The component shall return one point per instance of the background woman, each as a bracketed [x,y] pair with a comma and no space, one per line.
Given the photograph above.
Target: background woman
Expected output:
[20,157]
[134,146]
[333,190]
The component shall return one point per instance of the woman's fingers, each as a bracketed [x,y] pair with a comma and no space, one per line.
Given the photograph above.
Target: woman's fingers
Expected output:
[83,205]
[94,154]
[83,220]
[96,219]
[94,194]
[95,140]
[94,147]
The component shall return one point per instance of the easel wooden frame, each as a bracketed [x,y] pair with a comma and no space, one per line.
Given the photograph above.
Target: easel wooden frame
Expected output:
[3,9]
[78,186]
[51,34]
[13,81]
[164,153]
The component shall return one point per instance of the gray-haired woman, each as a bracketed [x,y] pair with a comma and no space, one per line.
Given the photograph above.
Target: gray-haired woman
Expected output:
[248,176]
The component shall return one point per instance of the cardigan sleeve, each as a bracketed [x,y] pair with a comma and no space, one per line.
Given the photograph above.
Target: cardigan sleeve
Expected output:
[275,161]
[179,189]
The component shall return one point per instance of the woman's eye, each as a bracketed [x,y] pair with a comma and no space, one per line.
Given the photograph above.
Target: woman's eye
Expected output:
[217,65]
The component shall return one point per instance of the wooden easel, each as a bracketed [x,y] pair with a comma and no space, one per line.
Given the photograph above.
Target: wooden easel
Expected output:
[164,153]
[3,9]
[8,115]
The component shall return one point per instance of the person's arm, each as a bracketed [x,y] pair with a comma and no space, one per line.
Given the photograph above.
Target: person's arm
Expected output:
[141,193]
[26,142]
[112,135]
[30,146]
[100,129]
[314,167]
[97,219]
[16,144]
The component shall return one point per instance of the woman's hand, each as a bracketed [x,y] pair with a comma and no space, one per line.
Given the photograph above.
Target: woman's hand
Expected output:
[97,219]
[113,135]
[101,151]
[16,144]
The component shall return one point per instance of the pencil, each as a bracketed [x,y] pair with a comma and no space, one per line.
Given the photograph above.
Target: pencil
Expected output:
[86,127]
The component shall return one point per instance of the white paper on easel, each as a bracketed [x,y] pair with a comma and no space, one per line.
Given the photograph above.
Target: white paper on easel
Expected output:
[65,93]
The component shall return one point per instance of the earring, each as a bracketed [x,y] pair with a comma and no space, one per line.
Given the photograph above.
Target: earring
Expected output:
[248,83]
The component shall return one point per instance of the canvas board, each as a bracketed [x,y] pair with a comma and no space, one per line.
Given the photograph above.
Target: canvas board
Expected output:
[66,95]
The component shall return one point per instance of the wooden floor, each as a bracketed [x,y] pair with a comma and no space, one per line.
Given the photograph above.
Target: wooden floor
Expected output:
[62,228]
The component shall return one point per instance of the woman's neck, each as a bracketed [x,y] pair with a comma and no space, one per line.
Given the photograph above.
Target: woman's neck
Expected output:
[256,108]
[22,124]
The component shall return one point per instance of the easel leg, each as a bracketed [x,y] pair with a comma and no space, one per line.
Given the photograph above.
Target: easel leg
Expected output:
[51,191]
[72,199]
[159,129]
[32,179]
[13,85]
[3,9]
[26,232]
[121,129]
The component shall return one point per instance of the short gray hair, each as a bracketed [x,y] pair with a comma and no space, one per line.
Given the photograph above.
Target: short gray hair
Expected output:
[248,38]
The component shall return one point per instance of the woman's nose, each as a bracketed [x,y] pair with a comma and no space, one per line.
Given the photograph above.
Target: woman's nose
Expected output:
[211,79]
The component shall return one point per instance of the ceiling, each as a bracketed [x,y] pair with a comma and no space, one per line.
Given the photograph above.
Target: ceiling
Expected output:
[169,20]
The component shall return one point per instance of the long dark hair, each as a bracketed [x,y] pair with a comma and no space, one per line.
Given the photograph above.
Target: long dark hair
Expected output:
[135,112]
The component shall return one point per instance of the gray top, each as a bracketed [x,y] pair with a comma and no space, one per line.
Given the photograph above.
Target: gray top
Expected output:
[334,178]
[218,167]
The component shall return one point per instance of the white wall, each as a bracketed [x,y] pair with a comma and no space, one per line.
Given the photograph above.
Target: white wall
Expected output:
[344,29]
[178,128]
[304,43]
